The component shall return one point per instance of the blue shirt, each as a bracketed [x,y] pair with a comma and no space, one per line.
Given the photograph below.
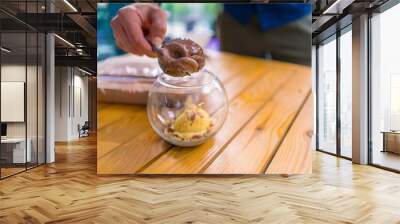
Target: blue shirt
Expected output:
[269,16]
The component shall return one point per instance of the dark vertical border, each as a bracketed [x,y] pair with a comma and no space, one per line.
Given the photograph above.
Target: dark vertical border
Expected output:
[0,93]
[73,91]
[60,87]
[369,90]
[80,102]
[26,87]
[44,71]
[37,90]
[338,99]
[317,96]
[69,92]
[45,92]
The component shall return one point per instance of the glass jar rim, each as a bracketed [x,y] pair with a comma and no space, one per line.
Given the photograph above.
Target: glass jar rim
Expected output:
[199,79]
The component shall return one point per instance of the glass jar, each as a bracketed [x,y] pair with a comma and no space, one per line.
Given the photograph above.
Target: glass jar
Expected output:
[186,111]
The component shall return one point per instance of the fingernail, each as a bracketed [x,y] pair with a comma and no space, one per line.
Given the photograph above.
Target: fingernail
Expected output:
[157,41]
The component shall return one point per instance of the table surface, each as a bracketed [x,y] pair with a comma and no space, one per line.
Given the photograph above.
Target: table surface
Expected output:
[268,128]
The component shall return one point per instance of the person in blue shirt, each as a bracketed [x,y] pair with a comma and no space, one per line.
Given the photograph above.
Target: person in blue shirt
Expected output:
[271,31]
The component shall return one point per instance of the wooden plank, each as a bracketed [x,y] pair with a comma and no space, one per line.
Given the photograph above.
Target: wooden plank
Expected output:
[111,113]
[101,106]
[243,78]
[132,155]
[251,150]
[294,155]
[136,151]
[227,65]
[237,73]
[121,131]
[188,161]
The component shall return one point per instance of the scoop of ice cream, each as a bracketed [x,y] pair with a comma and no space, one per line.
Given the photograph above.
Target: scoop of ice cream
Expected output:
[192,121]
[181,57]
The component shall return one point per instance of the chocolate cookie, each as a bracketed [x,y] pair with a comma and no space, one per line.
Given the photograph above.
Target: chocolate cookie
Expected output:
[181,57]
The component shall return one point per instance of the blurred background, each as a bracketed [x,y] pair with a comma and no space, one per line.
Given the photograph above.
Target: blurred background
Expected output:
[195,21]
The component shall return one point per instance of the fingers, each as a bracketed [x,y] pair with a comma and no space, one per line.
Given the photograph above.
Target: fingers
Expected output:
[121,38]
[132,37]
[158,26]
[132,24]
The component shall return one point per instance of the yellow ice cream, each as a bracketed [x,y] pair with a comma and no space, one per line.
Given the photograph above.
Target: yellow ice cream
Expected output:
[193,121]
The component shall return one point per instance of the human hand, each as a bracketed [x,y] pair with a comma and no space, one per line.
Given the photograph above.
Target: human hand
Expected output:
[139,26]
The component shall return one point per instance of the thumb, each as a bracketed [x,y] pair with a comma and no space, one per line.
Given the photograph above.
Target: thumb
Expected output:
[157,30]
[157,33]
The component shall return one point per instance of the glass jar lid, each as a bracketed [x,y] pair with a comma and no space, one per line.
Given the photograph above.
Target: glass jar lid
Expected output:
[195,80]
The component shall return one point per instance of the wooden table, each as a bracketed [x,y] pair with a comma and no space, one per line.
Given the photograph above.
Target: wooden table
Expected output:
[268,128]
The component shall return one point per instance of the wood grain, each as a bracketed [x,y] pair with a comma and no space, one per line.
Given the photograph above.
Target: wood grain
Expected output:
[70,191]
[128,145]
[253,148]
[111,113]
[121,130]
[294,155]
